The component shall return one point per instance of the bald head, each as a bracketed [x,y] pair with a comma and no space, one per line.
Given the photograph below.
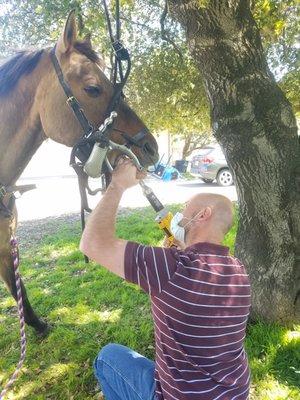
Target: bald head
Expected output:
[215,210]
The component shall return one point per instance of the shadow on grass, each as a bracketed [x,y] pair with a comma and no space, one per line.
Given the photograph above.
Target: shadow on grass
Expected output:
[275,351]
[87,306]
[60,366]
[90,307]
[286,363]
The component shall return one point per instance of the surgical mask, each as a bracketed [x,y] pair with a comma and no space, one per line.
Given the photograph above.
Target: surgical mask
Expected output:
[178,231]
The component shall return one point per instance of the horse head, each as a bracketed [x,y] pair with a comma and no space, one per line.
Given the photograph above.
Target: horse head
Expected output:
[83,70]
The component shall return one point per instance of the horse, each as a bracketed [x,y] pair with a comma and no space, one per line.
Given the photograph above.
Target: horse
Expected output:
[33,108]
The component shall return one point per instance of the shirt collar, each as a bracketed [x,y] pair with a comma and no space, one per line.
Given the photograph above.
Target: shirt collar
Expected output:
[208,248]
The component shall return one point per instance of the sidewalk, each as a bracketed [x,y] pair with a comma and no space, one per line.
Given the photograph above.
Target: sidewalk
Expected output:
[60,195]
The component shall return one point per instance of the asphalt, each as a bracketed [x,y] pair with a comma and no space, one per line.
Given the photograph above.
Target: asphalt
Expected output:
[55,196]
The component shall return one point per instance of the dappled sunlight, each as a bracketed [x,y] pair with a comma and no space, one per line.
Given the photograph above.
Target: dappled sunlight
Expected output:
[111,316]
[61,312]
[47,254]
[286,363]
[52,374]
[57,370]
[38,276]
[7,302]
[274,358]
[5,377]
[291,335]
[88,307]
[65,250]
[27,272]
[270,389]
[47,291]
[4,317]
[83,315]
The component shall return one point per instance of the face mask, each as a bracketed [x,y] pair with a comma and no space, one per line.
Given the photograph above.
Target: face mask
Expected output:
[177,231]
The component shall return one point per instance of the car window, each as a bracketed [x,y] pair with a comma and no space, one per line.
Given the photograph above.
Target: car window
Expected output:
[218,153]
[204,152]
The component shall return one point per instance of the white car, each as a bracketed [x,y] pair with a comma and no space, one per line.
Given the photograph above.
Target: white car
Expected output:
[210,164]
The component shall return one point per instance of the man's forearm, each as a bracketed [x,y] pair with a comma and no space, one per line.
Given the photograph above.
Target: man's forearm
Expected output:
[99,241]
[101,224]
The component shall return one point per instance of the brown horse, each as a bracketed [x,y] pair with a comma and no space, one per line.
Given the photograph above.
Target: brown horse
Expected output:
[33,107]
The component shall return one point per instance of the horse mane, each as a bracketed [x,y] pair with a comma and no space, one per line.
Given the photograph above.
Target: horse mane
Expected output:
[85,49]
[24,62]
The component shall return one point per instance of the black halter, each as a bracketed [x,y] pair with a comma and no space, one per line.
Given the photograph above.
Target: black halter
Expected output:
[71,99]
[91,134]
[87,126]
[83,147]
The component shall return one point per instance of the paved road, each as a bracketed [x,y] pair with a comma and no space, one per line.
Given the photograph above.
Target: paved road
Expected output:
[59,195]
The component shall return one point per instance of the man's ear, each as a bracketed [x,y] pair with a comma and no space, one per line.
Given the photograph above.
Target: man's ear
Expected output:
[68,35]
[206,214]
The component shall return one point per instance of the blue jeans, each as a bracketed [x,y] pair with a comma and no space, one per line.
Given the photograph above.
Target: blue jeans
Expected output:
[124,374]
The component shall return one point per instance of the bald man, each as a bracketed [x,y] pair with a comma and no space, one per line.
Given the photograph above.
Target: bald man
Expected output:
[200,299]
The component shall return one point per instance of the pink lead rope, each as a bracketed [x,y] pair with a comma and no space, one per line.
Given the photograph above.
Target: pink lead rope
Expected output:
[15,256]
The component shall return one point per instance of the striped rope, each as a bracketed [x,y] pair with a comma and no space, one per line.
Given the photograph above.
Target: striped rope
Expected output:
[15,256]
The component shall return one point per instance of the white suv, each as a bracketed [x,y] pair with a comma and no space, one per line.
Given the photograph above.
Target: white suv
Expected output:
[210,164]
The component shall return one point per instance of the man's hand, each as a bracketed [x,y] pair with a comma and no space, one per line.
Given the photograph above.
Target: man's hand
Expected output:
[126,174]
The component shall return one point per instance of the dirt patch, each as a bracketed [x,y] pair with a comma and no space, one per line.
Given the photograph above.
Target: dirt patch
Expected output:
[30,233]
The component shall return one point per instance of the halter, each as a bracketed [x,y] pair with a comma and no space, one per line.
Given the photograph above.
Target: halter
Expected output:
[91,134]
[82,149]
[96,141]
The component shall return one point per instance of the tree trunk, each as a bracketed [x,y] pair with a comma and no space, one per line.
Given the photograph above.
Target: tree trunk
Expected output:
[186,147]
[255,125]
[194,141]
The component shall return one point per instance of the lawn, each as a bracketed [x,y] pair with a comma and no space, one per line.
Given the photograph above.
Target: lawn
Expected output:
[89,307]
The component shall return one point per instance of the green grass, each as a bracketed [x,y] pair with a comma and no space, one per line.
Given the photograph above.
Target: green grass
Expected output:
[89,307]
[188,176]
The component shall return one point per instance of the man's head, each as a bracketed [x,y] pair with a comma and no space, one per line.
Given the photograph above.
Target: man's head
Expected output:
[207,217]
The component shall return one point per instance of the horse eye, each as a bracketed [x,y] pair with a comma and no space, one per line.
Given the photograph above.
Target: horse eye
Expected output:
[93,91]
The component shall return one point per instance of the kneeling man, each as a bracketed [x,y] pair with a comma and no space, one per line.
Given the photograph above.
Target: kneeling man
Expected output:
[200,298]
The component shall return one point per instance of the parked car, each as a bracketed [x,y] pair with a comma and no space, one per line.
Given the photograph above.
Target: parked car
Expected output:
[210,164]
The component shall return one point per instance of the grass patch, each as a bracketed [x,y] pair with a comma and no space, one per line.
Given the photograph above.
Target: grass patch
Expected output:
[90,307]
[188,176]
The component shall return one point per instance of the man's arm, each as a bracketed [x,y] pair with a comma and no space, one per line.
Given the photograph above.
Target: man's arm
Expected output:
[99,241]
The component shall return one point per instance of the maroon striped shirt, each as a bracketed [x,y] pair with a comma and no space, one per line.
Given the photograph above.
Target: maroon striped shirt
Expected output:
[200,301]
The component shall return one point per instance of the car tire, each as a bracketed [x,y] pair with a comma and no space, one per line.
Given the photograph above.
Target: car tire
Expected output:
[207,180]
[224,177]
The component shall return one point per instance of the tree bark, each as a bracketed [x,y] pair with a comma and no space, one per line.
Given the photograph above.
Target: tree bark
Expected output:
[186,147]
[255,125]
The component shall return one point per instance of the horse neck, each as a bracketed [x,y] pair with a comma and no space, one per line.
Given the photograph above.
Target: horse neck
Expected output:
[21,131]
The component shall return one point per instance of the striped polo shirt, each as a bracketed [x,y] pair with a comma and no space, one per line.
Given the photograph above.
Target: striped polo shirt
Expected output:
[200,300]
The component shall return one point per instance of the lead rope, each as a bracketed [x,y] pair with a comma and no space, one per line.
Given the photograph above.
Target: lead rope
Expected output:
[15,256]
[121,54]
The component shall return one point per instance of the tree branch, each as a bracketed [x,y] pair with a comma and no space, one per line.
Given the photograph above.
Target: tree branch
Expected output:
[164,34]
[138,24]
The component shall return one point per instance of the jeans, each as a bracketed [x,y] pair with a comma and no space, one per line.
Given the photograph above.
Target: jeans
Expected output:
[124,374]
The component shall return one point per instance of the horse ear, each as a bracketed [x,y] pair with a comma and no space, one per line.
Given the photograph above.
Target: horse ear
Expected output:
[69,34]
